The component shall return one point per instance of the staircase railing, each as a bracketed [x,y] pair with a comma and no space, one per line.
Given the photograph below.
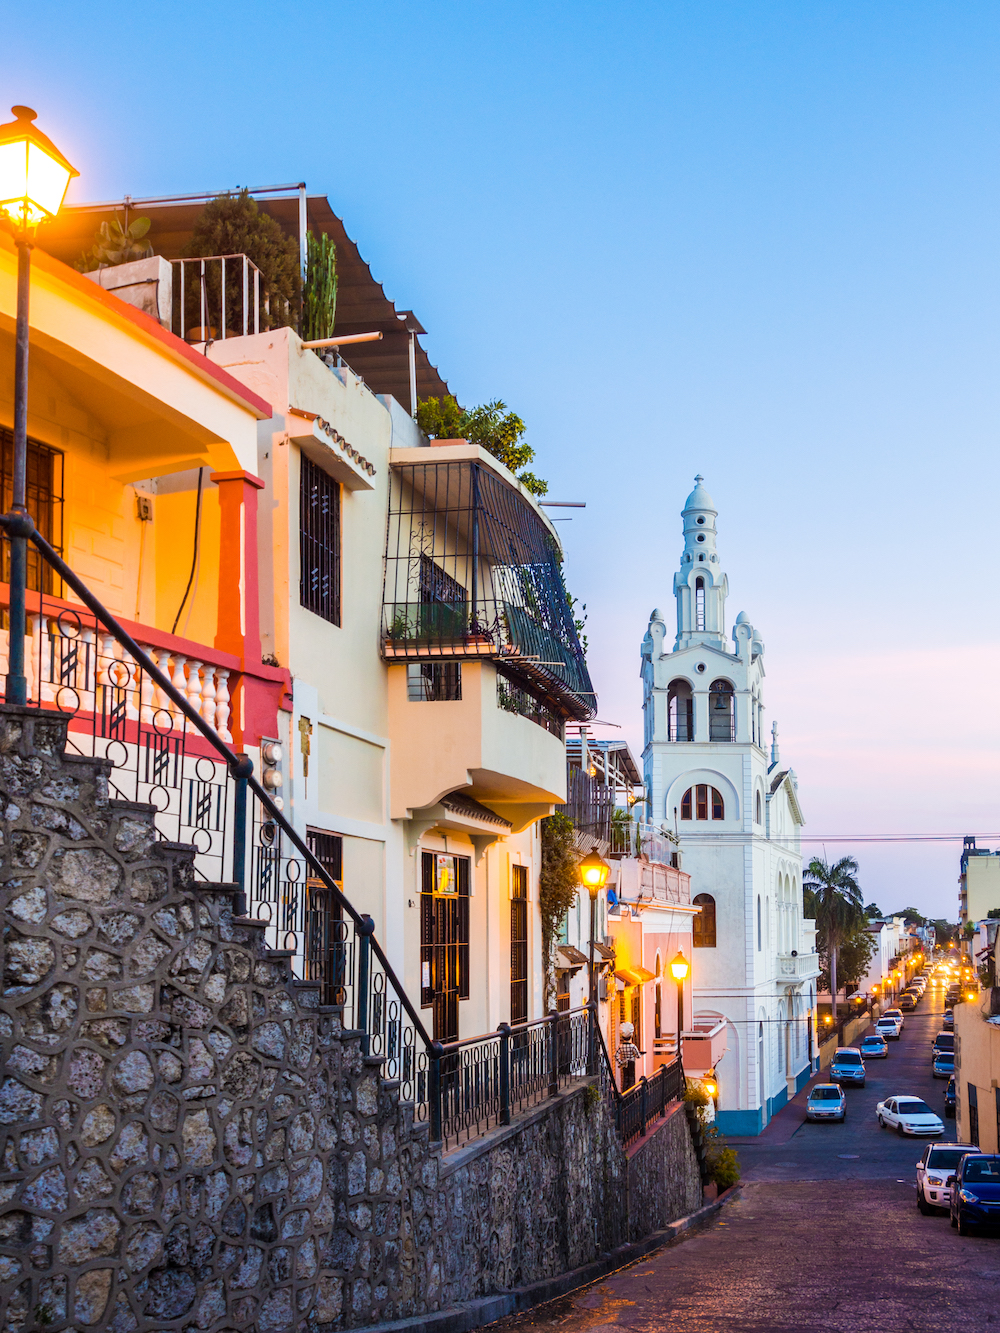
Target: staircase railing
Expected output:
[365,987]
[636,1108]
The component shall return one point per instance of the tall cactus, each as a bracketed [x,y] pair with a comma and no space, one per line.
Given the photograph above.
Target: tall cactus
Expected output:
[319,303]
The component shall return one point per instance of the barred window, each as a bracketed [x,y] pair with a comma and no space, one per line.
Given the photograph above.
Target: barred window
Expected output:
[45,504]
[319,542]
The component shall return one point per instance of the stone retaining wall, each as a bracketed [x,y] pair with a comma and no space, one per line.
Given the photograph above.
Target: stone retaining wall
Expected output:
[188,1141]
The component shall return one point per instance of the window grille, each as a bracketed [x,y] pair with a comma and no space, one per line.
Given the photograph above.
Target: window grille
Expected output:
[45,505]
[433,681]
[325,938]
[473,571]
[973,1114]
[319,541]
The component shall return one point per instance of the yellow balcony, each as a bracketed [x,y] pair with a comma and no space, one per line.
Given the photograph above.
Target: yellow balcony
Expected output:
[463,729]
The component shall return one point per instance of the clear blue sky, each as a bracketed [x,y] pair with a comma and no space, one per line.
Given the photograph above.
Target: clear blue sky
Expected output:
[753,240]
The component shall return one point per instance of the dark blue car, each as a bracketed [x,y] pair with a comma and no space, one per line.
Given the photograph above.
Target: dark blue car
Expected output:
[949,1097]
[975,1192]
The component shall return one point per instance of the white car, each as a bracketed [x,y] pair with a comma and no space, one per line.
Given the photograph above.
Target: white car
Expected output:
[888,1028]
[908,1115]
[897,1014]
[938,1162]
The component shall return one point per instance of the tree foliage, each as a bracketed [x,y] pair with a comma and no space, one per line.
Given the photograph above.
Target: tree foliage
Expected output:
[232,224]
[853,956]
[115,244]
[558,883]
[873,912]
[831,894]
[491,425]
[910,915]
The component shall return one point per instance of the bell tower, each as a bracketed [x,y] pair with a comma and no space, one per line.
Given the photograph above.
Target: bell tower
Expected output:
[700,586]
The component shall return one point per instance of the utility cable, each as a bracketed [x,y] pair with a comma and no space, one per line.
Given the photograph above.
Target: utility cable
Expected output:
[194,554]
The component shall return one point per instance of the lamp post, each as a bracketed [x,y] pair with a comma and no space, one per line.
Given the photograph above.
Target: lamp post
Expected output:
[593,876]
[680,967]
[33,180]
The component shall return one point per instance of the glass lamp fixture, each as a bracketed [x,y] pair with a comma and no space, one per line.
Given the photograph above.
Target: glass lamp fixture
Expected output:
[680,967]
[594,872]
[34,174]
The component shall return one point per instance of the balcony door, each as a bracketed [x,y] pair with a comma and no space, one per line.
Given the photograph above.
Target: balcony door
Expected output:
[444,939]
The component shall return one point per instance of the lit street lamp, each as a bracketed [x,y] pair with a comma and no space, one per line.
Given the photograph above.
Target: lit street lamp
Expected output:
[680,967]
[593,876]
[33,180]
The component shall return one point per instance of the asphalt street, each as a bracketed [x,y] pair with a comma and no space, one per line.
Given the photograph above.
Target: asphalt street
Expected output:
[825,1235]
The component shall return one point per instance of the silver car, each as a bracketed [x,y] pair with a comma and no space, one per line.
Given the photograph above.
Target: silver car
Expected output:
[937,1162]
[826,1102]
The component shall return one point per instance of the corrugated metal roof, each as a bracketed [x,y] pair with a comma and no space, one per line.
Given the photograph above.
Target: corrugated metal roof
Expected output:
[362,305]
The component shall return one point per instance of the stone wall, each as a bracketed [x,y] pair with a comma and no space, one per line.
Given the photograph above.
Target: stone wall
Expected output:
[189,1141]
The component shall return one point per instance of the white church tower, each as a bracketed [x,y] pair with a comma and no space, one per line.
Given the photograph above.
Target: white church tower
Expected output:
[709,777]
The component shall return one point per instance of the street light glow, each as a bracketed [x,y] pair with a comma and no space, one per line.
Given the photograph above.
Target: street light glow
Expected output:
[34,174]
[680,967]
[594,872]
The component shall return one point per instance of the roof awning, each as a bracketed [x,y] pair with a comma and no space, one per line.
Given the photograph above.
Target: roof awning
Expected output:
[634,976]
[604,951]
[570,958]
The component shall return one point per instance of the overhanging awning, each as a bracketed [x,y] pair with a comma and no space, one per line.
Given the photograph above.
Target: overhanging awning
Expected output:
[604,951]
[569,958]
[634,976]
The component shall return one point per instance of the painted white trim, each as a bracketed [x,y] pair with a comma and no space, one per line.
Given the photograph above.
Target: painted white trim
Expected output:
[334,724]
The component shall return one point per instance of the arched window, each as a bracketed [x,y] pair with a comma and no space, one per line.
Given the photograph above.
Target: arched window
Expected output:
[758,924]
[699,603]
[760,810]
[680,711]
[721,711]
[700,800]
[703,925]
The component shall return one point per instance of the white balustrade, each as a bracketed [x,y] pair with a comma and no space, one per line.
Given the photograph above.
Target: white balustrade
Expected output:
[194,688]
[222,704]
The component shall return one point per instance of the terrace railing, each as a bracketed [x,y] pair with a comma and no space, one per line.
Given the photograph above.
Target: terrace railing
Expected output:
[217,297]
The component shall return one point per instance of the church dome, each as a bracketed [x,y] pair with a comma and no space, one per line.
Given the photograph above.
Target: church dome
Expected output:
[743,618]
[699,498]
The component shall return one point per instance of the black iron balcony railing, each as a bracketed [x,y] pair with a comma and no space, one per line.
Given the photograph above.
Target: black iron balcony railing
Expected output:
[590,804]
[472,570]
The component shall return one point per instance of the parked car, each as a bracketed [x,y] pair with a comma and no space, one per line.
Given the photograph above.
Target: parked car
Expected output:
[975,1191]
[908,1115]
[949,1097]
[908,1002]
[896,1013]
[874,1047]
[887,1028]
[847,1066]
[944,1064]
[944,1041]
[826,1102]
[948,1018]
[937,1162]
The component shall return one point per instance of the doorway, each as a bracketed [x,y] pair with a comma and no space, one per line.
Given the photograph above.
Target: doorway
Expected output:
[444,939]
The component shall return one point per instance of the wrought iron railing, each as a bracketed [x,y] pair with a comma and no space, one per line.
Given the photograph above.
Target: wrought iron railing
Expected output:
[636,1109]
[590,803]
[511,698]
[358,978]
[485,1080]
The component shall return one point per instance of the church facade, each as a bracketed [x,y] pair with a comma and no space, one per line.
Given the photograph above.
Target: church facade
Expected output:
[711,778]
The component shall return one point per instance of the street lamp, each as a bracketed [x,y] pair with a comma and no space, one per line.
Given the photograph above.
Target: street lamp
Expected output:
[33,180]
[594,874]
[680,967]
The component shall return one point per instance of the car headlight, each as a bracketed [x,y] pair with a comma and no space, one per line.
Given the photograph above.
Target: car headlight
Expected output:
[968,1197]
[935,1180]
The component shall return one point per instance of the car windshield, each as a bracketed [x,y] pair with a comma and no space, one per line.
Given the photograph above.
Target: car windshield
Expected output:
[985,1169]
[827,1093]
[945,1058]
[848,1058]
[944,1159]
[873,1041]
[944,1041]
[914,1108]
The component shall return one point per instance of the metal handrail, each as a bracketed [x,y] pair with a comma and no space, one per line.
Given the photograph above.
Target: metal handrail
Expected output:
[240,766]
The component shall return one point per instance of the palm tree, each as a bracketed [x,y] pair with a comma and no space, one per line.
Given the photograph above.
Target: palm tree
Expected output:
[831,895]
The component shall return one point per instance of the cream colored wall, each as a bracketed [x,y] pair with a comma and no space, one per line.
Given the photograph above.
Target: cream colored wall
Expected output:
[977,1061]
[982,882]
[502,759]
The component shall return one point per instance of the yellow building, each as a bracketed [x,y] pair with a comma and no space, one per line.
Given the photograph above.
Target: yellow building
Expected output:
[977,1066]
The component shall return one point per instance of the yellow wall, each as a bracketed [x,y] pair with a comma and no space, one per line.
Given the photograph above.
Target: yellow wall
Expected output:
[977,1061]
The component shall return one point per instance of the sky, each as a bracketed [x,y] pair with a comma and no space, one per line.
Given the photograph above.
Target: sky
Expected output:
[752,240]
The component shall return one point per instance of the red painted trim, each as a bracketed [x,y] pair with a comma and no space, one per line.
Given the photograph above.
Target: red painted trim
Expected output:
[181,350]
[248,477]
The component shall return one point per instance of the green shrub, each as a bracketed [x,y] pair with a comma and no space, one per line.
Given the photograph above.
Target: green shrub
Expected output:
[319,298]
[722,1161]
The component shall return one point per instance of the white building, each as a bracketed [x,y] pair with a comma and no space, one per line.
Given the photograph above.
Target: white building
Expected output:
[710,779]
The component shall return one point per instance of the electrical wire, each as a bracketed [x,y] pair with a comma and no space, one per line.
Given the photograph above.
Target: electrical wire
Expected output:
[194,554]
